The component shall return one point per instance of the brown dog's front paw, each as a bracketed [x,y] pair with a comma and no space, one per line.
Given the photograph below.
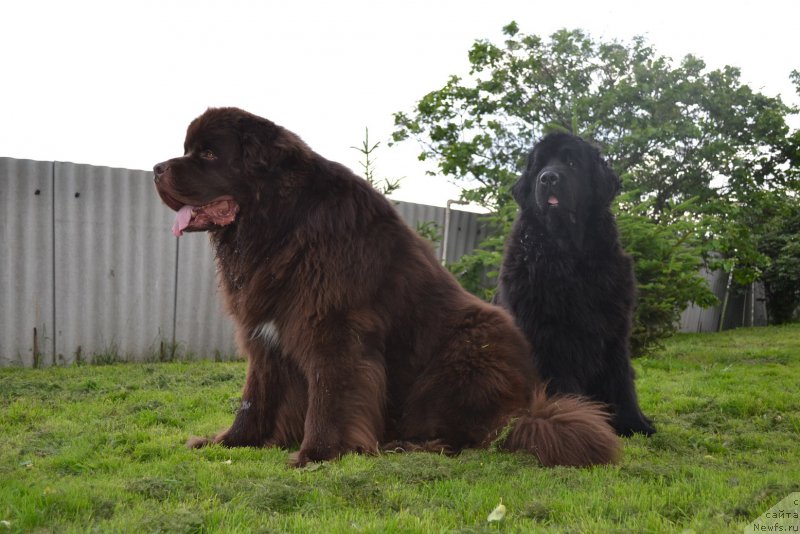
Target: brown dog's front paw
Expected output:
[303,457]
[298,459]
[308,455]
[196,442]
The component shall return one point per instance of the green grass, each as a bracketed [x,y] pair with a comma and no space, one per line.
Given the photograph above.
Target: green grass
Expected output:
[100,448]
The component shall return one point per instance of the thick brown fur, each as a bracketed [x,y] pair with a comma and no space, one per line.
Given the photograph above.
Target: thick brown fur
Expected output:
[356,337]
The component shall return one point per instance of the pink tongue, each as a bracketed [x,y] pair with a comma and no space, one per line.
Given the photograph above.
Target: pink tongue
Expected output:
[182,219]
[553,201]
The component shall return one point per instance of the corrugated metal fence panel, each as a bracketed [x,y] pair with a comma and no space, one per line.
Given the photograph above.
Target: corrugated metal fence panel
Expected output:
[697,319]
[466,233]
[115,264]
[417,214]
[759,296]
[466,230]
[746,306]
[201,326]
[26,265]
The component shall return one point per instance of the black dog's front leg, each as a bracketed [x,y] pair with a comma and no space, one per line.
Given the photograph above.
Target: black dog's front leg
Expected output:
[616,388]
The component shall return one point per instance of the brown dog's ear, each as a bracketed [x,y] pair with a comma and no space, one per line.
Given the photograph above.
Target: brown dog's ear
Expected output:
[607,183]
[266,146]
[257,137]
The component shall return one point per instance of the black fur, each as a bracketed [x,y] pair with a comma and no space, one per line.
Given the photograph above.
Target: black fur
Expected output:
[567,281]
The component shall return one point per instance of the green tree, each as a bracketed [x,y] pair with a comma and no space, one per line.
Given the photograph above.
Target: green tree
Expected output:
[689,143]
[781,244]
[386,186]
[672,129]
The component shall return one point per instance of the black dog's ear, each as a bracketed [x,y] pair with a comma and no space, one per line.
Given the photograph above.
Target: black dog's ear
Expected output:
[522,189]
[607,183]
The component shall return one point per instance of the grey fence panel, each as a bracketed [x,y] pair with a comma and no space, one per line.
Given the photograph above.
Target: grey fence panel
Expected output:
[202,328]
[746,306]
[697,319]
[466,233]
[465,229]
[759,315]
[26,262]
[417,214]
[115,264]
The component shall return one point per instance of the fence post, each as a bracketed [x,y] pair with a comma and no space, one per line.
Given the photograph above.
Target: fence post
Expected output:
[725,300]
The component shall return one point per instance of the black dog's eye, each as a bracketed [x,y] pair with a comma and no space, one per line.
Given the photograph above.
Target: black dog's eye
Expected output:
[571,162]
[207,154]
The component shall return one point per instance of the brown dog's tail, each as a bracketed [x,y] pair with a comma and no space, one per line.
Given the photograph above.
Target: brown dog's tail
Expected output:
[562,430]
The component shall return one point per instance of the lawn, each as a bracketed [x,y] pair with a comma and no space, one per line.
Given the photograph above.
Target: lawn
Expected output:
[100,448]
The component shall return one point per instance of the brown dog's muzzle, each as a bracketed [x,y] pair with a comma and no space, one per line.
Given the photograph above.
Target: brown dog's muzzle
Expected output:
[159,170]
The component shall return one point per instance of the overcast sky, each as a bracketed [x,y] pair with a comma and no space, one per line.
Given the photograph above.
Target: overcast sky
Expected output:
[116,83]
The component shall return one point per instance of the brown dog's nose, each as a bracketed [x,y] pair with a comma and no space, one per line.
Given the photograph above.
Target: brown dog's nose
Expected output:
[159,170]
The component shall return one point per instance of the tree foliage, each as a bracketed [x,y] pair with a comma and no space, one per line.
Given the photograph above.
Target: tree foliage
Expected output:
[692,145]
[667,260]
[781,244]
[386,186]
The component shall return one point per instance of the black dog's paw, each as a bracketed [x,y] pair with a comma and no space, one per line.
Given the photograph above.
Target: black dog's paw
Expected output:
[629,428]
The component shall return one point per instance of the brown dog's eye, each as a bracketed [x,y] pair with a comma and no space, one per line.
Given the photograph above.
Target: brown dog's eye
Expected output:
[207,154]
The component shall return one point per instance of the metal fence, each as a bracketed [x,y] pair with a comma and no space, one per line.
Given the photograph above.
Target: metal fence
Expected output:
[90,270]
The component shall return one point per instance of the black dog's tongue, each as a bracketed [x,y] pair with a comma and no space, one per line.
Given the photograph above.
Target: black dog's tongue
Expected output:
[553,201]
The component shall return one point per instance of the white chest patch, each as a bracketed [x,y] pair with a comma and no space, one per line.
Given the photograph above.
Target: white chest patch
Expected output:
[268,332]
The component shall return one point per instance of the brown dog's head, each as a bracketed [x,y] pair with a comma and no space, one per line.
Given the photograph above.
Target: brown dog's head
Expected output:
[229,157]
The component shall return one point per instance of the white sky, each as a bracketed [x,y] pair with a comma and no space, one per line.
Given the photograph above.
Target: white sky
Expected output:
[116,82]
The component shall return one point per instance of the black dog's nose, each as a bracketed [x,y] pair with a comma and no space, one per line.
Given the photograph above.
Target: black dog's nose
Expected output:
[159,170]
[549,178]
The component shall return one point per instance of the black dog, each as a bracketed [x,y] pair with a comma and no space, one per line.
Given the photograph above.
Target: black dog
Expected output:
[567,281]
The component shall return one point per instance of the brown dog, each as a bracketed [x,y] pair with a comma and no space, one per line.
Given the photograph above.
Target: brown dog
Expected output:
[356,337]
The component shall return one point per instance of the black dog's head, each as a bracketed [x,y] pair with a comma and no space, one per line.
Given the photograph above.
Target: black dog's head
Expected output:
[229,157]
[565,184]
